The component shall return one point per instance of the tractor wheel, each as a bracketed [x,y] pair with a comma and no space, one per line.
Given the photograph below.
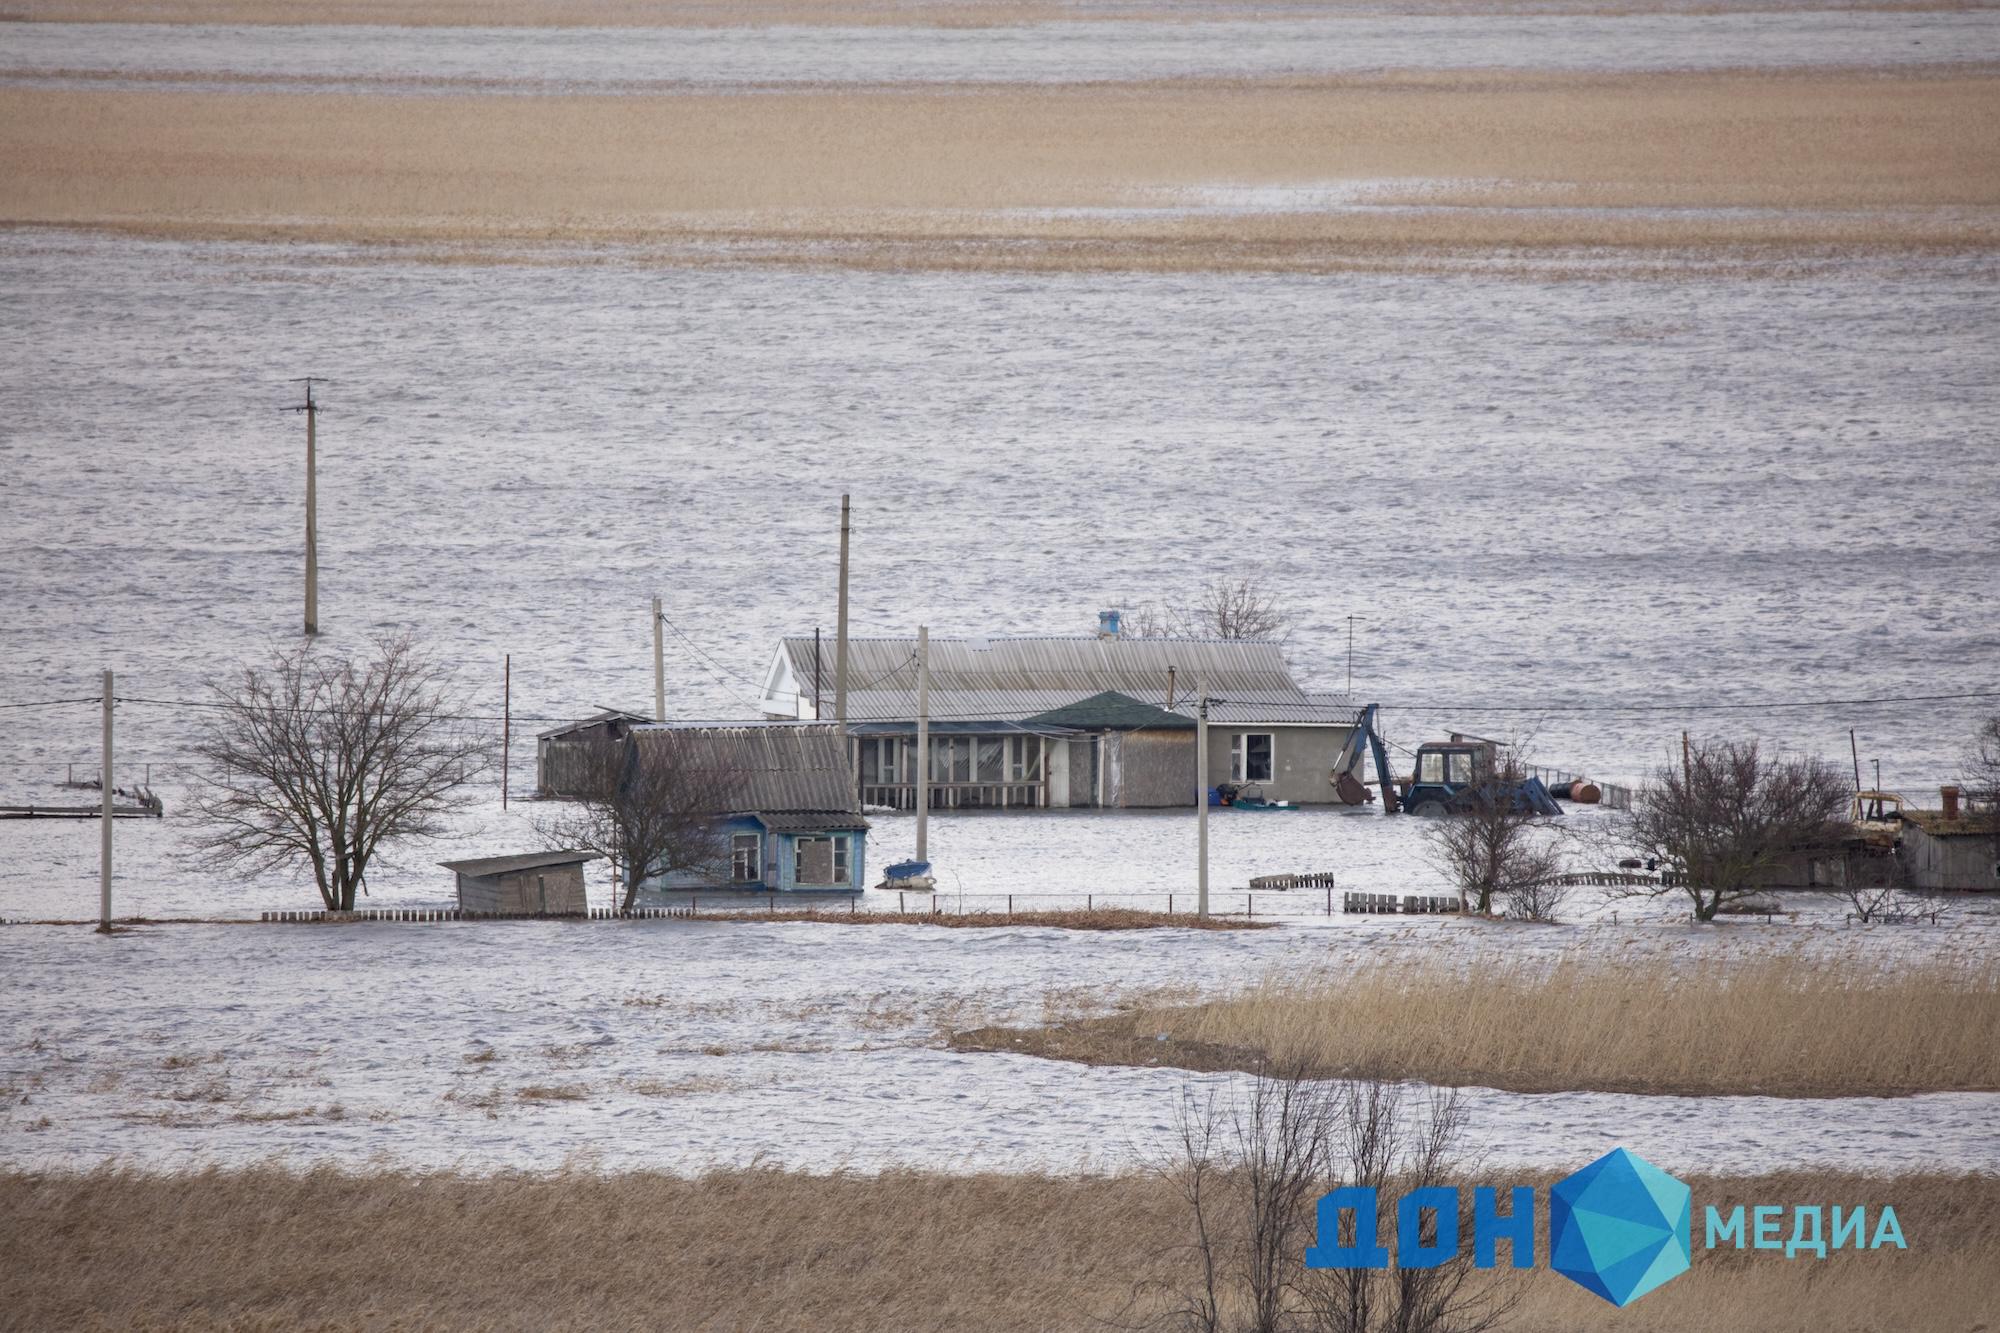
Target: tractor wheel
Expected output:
[1428,810]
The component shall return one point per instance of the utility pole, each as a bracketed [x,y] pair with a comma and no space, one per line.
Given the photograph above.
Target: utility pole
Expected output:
[1350,651]
[1170,685]
[923,778]
[659,664]
[506,721]
[311,409]
[104,849]
[1687,765]
[1201,802]
[816,709]
[840,631]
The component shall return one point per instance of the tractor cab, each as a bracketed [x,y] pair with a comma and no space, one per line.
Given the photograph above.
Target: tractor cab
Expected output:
[1448,772]
[1464,774]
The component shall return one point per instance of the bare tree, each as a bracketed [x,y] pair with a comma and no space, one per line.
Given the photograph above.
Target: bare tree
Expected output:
[1728,818]
[314,760]
[1239,609]
[1496,844]
[1982,775]
[654,804]
[1223,608]
[1252,1173]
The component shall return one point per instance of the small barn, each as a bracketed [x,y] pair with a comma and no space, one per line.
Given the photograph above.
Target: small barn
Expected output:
[562,753]
[784,797]
[1951,849]
[531,884]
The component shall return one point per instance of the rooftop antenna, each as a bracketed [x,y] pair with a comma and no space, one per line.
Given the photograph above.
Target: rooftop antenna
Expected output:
[311,409]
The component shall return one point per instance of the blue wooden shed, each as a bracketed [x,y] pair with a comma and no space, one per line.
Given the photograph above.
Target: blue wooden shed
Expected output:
[793,820]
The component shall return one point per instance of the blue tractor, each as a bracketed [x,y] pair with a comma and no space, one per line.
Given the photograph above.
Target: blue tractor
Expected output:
[1452,777]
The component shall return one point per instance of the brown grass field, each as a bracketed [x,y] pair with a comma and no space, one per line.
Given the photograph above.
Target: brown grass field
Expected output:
[264,1249]
[756,13]
[1756,168]
[1784,1026]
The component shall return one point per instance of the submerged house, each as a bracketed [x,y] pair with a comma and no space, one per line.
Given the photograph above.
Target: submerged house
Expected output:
[1057,722]
[788,814]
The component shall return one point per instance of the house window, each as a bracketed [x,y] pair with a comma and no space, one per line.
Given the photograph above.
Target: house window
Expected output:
[882,761]
[1024,759]
[951,759]
[743,866]
[992,752]
[820,858]
[1250,756]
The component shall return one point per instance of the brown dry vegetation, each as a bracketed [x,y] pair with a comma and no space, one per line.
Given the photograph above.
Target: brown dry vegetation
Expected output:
[266,1249]
[755,13]
[1815,162]
[1785,1026]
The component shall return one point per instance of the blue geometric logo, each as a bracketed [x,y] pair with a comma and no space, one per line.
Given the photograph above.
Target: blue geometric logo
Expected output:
[1620,1227]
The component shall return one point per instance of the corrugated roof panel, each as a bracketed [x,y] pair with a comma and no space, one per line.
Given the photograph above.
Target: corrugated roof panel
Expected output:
[798,766]
[1014,679]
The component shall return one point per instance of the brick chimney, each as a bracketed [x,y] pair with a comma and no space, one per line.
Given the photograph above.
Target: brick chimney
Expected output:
[1949,795]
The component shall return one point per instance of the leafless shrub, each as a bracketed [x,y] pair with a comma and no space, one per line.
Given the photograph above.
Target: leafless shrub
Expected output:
[317,761]
[1538,900]
[653,808]
[1728,818]
[1250,1177]
[1497,846]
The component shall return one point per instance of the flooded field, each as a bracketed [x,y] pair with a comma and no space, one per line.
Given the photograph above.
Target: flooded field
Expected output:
[623,59]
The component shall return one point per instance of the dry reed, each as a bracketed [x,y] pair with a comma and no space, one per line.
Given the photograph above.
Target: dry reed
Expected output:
[1789,1026]
[1767,164]
[267,1249]
[761,13]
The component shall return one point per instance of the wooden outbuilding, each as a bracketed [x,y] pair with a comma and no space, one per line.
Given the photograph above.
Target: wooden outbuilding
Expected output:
[533,884]
[1951,849]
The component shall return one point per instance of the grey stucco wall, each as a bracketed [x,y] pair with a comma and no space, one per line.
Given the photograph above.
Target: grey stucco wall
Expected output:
[1302,760]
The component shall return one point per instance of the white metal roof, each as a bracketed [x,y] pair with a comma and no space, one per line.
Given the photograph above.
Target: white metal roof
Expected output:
[1010,679]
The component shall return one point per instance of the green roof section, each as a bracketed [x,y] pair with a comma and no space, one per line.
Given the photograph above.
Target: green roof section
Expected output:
[1111,711]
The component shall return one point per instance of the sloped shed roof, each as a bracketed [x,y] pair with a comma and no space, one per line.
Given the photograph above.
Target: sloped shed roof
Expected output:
[771,767]
[1011,679]
[507,865]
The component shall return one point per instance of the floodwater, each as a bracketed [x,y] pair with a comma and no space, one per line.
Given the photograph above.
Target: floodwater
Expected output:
[610,60]
[687,1046]
[1602,510]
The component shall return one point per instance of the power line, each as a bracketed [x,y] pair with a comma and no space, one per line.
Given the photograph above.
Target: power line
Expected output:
[1340,712]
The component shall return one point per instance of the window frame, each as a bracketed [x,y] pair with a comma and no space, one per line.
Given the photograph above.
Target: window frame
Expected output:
[839,862]
[736,862]
[1239,756]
